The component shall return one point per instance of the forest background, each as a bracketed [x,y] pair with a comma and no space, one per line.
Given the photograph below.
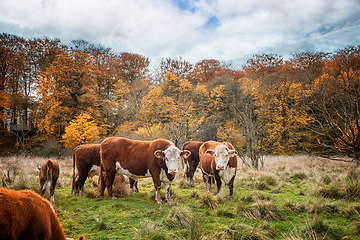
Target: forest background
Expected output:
[83,92]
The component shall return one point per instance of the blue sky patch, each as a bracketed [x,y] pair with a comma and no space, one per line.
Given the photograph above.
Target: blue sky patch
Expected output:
[212,23]
[184,5]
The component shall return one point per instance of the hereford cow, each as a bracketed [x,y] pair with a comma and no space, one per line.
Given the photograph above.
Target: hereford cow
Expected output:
[27,216]
[218,160]
[159,159]
[192,161]
[48,176]
[86,162]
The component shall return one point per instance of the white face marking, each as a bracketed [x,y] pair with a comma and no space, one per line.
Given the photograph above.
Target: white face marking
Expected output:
[227,174]
[222,155]
[120,170]
[172,159]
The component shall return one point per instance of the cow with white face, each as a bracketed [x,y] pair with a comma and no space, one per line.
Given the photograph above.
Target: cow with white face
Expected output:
[159,159]
[219,161]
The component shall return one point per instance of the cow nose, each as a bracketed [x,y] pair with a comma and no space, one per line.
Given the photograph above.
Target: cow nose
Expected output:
[172,170]
[220,167]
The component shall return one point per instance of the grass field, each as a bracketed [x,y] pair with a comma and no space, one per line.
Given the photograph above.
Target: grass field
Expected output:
[297,197]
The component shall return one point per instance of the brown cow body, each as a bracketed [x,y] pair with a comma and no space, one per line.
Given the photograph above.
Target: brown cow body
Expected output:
[159,159]
[86,160]
[27,216]
[49,174]
[218,160]
[192,161]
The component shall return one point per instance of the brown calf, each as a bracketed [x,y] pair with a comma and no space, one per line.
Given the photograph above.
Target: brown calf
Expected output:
[192,161]
[27,216]
[48,176]
[159,159]
[218,160]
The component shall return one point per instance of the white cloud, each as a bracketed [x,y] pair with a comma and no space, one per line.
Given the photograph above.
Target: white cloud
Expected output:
[163,28]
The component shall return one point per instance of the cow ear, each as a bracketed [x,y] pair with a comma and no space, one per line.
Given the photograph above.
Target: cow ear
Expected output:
[232,153]
[210,152]
[185,153]
[159,154]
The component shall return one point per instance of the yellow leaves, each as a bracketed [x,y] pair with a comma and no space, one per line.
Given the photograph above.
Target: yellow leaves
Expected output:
[81,130]
[231,132]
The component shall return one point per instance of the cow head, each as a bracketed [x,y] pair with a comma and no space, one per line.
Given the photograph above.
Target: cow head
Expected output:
[222,155]
[172,157]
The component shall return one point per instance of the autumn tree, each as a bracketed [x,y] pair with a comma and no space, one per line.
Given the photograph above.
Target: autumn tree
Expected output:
[176,66]
[65,88]
[207,70]
[81,130]
[335,106]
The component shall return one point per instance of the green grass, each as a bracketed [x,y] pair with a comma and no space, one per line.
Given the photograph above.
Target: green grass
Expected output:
[295,202]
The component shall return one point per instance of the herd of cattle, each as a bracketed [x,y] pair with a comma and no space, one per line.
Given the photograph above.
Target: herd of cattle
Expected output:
[26,215]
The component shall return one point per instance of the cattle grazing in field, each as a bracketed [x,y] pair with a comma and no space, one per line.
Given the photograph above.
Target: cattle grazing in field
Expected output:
[218,160]
[192,161]
[159,159]
[86,162]
[48,176]
[25,215]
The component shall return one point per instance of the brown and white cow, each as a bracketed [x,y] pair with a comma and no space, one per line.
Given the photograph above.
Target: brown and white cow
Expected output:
[218,160]
[48,176]
[159,159]
[25,215]
[192,161]
[86,162]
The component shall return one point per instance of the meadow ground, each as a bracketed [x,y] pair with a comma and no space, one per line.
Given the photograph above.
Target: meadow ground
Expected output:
[297,197]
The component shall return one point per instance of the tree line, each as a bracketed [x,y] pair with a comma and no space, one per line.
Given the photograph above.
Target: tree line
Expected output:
[83,92]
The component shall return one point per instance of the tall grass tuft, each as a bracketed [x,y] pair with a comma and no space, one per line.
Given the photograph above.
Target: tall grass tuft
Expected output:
[179,216]
[242,231]
[209,201]
[194,230]
[149,230]
[352,184]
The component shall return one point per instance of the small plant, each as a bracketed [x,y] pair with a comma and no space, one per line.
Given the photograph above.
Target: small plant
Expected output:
[179,216]
[352,184]
[298,176]
[149,230]
[209,201]
[194,230]
[243,231]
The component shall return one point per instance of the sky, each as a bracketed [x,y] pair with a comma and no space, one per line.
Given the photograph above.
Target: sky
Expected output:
[225,30]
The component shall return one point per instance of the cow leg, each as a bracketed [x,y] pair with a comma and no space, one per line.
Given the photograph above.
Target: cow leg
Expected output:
[81,180]
[191,172]
[109,180]
[133,185]
[167,192]
[207,182]
[218,183]
[157,184]
[231,187]
[42,187]
[101,182]
[52,190]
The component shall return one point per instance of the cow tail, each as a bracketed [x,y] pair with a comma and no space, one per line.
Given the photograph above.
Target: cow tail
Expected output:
[49,170]
[73,173]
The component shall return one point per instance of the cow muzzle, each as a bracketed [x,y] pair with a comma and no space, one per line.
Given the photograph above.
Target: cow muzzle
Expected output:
[172,171]
[220,167]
